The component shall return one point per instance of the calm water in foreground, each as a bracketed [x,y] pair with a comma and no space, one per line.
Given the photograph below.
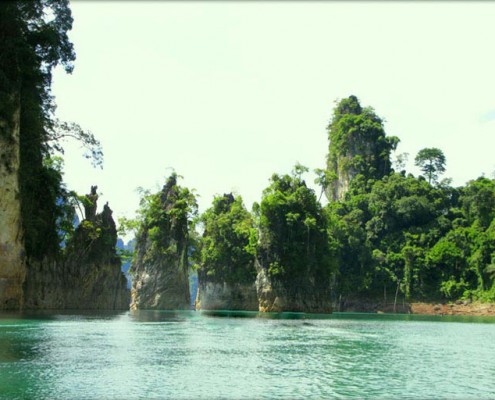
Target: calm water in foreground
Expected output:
[243,355]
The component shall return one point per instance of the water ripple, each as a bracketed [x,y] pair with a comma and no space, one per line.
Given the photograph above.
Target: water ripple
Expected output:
[187,355]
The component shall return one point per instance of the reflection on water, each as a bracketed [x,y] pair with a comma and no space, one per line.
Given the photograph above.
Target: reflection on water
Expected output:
[187,354]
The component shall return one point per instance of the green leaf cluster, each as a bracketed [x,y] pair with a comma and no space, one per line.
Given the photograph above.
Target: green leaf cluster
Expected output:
[358,144]
[424,242]
[293,242]
[227,246]
[164,223]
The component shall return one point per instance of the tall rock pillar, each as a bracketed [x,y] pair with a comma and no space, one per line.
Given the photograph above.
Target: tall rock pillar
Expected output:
[12,258]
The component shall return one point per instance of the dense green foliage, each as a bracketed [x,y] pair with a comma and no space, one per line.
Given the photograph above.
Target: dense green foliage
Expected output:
[432,163]
[358,144]
[404,236]
[294,245]
[33,40]
[384,233]
[227,246]
[164,223]
[428,242]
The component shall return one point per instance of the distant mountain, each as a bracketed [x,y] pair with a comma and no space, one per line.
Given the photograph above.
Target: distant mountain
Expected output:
[129,247]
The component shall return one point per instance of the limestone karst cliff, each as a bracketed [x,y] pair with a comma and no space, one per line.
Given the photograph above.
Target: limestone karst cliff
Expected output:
[34,272]
[226,271]
[12,254]
[225,296]
[358,147]
[161,262]
[293,258]
[87,275]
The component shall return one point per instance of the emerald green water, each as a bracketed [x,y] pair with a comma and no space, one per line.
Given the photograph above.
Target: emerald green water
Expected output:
[245,355]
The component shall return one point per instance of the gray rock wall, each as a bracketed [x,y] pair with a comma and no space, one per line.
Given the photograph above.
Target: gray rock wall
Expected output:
[12,259]
[158,282]
[75,286]
[224,296]
[274,296]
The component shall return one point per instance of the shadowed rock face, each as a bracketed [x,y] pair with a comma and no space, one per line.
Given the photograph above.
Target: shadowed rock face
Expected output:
[87,277]
[304,296]
[160,285]
[160,269]
[12,259]
[225,296]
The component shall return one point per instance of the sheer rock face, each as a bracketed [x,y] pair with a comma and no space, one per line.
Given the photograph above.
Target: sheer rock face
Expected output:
[88,277]
[275,296]
[358,146]
[345,171]
[160,268]
[12,259]
[225,296]
[160,285]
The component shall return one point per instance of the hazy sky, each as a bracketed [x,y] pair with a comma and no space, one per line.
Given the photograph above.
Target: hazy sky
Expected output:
[227,93]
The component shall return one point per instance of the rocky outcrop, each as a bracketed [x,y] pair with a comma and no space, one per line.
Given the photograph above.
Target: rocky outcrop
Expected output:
[12,259]
[225,296]
[75,286]
[87,276]
[159,284]
[358,146]
[299,296]
[226,272]
[160,268]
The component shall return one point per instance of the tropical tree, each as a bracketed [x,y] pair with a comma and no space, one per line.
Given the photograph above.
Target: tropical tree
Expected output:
[432,162]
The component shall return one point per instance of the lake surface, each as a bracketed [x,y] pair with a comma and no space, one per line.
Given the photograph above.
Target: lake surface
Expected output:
[245,355]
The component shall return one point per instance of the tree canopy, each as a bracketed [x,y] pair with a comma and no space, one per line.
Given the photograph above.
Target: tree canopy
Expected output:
[227,246]
[432,163]
[294,245]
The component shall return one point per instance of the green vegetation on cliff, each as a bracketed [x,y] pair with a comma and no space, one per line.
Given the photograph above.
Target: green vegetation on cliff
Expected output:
[358,146]
[402,236]
[160,266]
[294,246]
[33,40]
[228,242]
[164,221]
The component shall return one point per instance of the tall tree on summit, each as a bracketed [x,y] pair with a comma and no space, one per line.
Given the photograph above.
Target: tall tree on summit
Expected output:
[432,163]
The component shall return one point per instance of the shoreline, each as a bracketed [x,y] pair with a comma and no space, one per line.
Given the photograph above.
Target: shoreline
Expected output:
[459,307]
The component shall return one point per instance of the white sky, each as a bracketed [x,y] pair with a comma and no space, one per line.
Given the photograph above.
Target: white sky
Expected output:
[227,93]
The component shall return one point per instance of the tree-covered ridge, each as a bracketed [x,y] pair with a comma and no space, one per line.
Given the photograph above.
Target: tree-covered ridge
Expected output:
[228,242]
